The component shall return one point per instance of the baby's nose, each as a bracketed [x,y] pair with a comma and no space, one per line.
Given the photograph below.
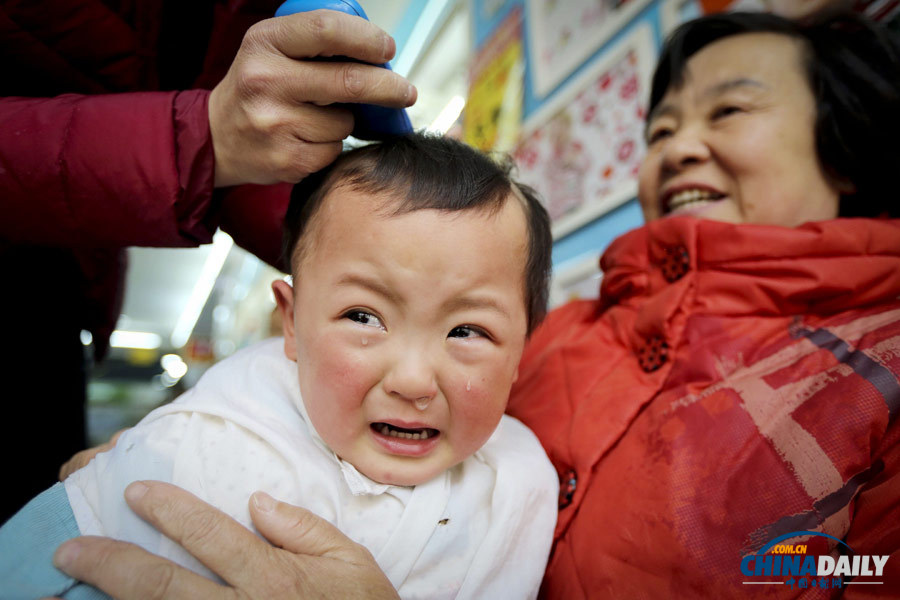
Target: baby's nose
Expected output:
[412,378]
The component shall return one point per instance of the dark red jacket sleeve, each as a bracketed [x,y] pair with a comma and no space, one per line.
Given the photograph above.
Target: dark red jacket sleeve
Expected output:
[108,170]
[253,215]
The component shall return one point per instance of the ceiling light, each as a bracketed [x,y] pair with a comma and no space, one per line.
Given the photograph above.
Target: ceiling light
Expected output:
[221,245]
[168,360]
[141,340]
[177,370]
[433,15]
[448,115]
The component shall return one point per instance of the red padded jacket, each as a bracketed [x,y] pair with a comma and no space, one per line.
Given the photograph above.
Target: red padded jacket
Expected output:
[733,383]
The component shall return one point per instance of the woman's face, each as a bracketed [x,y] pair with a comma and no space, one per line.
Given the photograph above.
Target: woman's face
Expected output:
[736,141]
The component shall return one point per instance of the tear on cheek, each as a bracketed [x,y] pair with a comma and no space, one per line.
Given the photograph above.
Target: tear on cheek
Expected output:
[472,387]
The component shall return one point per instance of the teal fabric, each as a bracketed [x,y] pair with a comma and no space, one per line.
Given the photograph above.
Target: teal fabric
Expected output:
[27,543]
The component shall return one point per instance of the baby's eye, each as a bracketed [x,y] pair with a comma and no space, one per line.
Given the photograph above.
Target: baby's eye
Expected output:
[364,318]
[467,331]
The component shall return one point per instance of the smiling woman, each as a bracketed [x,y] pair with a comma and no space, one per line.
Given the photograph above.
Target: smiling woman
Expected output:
[738,379]
[755,119]
[735,141]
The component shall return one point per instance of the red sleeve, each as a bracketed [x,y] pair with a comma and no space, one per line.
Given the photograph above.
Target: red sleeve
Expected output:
[109,170]
[253,215]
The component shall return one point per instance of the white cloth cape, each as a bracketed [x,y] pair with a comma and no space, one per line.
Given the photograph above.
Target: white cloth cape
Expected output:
[482,529]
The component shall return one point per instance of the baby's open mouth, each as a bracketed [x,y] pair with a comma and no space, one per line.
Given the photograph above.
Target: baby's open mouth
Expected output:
[400,432]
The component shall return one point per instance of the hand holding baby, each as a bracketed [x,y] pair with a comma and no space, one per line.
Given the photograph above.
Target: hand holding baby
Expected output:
[313,555]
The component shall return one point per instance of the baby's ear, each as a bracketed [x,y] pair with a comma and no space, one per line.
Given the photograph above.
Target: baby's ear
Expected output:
[284,297]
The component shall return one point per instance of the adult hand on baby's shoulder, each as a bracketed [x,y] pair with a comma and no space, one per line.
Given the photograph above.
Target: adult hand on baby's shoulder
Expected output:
[310,557]
[82,458]
[270,118]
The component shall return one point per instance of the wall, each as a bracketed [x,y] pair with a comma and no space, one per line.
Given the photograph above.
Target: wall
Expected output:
[593,238]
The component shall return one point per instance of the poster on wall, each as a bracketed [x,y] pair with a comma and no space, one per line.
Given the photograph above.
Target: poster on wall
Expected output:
[581,151]
[494,107]
[565,33]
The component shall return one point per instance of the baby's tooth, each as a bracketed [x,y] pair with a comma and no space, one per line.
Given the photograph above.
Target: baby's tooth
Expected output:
[422,434]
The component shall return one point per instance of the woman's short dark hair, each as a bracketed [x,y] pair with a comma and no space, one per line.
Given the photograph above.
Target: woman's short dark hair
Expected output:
[853,68]
[434,172]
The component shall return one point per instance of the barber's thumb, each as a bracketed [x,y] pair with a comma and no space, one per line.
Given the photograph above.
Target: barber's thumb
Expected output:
[295,529]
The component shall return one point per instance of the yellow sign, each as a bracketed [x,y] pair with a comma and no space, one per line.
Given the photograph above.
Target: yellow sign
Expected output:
[494,108]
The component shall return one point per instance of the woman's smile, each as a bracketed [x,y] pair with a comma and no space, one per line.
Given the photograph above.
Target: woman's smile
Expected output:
[735,142]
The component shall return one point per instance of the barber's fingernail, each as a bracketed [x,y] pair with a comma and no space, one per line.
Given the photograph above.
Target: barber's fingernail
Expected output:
[411,94]
[135,491]
[263,502]
[387,43]
[66,554]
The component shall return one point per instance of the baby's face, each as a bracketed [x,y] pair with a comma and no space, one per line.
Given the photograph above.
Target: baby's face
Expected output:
[407,330]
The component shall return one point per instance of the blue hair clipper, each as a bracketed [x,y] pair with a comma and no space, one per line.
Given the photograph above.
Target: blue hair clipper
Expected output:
[371,122]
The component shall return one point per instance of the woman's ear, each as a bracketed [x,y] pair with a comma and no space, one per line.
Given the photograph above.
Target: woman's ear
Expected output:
[284,297]
[845,186]
[841,183]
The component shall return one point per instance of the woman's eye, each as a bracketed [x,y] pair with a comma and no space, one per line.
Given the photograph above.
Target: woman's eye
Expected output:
[658,134]
[364,318]
[724,111]
[466,331]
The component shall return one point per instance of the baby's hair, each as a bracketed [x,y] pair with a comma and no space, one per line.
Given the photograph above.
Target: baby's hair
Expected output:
[427,172]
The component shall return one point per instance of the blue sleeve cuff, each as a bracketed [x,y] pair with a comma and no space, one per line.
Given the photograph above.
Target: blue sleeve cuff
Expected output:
[27,543]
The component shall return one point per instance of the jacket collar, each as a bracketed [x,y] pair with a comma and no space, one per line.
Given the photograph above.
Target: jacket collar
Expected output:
[817,268]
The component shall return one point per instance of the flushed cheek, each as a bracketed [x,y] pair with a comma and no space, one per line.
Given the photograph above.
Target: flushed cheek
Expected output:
[475,410]
[340,374]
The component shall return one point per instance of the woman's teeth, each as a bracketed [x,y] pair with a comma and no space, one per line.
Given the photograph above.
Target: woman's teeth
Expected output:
[690,198]
[421,434]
